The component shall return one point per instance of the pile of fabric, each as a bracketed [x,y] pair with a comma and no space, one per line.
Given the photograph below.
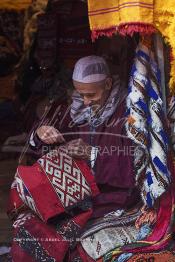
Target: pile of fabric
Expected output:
[67,223]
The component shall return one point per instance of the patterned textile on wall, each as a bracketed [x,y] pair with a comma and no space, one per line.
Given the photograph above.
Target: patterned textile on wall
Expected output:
[46,50]
[74,36]
[126,17]
[63,33]
[146,126]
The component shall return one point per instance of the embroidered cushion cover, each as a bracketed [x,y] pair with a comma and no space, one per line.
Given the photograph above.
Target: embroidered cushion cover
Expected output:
[55,184]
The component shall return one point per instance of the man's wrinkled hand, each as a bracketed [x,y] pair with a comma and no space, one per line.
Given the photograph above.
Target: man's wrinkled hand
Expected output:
[78,149]
[50,135]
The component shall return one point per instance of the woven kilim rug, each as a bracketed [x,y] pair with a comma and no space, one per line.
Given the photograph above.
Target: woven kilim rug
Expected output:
[165,256]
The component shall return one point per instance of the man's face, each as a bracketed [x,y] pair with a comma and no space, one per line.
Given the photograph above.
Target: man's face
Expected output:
[94,93]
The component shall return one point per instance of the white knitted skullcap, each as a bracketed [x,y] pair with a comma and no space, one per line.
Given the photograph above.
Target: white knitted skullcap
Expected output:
[90,69]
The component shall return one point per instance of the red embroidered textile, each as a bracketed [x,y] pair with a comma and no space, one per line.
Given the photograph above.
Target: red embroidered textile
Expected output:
[55,184]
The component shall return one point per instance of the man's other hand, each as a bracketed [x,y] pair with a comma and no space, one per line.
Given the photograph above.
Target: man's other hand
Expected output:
[50,135]
[78,149]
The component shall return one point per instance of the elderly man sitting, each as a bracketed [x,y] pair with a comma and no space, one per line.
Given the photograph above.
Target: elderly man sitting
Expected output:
[97,118]
[91,129]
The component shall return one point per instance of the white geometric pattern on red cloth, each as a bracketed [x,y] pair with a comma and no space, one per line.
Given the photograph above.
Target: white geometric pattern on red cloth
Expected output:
[24,194]
[65,176]
[22,218]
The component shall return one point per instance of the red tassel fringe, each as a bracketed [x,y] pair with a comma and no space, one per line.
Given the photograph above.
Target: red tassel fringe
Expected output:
[103,32]
[125,29]
[131,28]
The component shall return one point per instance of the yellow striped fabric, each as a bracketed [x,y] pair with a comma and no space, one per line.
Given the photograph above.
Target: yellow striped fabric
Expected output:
[15,4]
[111,13]
[164,21]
